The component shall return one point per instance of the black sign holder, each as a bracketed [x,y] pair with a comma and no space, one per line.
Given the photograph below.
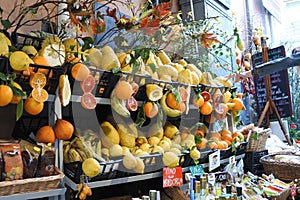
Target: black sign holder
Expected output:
[270,106]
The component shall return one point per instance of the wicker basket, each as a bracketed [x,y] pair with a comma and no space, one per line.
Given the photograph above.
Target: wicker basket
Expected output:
[283,195]
[31,184]
[281,170]
[257,144]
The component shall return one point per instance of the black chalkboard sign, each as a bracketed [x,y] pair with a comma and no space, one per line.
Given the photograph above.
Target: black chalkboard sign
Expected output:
[279,85]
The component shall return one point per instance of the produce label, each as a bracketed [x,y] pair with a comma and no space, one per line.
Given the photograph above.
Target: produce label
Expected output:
[214,160]
[196,170]
[172,177]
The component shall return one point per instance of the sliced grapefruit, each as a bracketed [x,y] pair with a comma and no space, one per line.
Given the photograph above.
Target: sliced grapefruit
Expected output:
[88,84]
[131,104]
[88,101]
[38,80]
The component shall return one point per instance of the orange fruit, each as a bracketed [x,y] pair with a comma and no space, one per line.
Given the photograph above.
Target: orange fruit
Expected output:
[40,60]
[181,107]
[206,108]
[238,61]
[198,100]
[238,134]
[222,144]
[40,95]
[200,132]
[123,90]
[38,80]
[212,144]
[6,95]
[33,107]
[171,101]
[63,129]
[16,99]
[226,135]
[202,144]
[238,104]
[80,71]
[150,109]
[45,135]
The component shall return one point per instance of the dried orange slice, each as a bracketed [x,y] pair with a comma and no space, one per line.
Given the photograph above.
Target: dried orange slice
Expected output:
[39,94]
[38,80]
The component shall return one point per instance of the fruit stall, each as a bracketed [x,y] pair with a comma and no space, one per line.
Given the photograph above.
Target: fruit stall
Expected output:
[131,111]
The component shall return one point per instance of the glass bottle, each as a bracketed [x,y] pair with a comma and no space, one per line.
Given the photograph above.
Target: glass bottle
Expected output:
[197,190]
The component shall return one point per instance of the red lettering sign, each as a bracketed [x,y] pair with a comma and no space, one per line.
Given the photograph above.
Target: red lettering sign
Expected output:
[172,177]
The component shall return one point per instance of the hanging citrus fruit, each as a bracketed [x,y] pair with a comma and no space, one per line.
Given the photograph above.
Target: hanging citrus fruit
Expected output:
[38,80]
[16,99]
[198,100]
[64,90]
[19,60]
[40,60]
[171,101]
[88,84]
[6,94]
[88,101]
[33,107]
[40,95]
[63,129]
[132,104]
[154,92]
[206,108]
[45,135]
[238,104]
[80,71]
[150,109]
[123,90]
[205,95]
[135,88]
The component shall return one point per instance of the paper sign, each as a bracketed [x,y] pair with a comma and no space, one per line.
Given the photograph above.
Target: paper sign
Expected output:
[232,159]
[221,177]
[214,160]
[211,178]
[196,170]
[172,177]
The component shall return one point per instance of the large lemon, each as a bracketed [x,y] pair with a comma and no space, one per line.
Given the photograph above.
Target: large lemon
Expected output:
[91,167]
[19,60]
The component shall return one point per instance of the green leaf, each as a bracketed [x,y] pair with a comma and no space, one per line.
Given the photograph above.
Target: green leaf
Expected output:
[3,77]
[19,112]
[116,71]
[176,93]
[6,23]
[34,11]
[198,139]
[255,136]
[136,67]
[141,117]
[152,67]
[196,162]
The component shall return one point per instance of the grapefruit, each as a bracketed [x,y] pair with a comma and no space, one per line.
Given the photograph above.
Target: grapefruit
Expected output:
[88,101]
[88,84]
[123,90]
[150,109]
[132,104]
[80,71]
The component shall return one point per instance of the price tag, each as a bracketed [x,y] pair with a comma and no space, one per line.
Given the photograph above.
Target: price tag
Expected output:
[221,177]
[211,178]
[172,177]
[293,191]
[232,159]
[196,170]
[214,160]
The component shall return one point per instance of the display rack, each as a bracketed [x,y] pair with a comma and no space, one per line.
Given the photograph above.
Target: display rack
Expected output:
[136,178]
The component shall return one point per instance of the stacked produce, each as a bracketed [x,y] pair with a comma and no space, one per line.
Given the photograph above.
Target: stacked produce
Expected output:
[173,89]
